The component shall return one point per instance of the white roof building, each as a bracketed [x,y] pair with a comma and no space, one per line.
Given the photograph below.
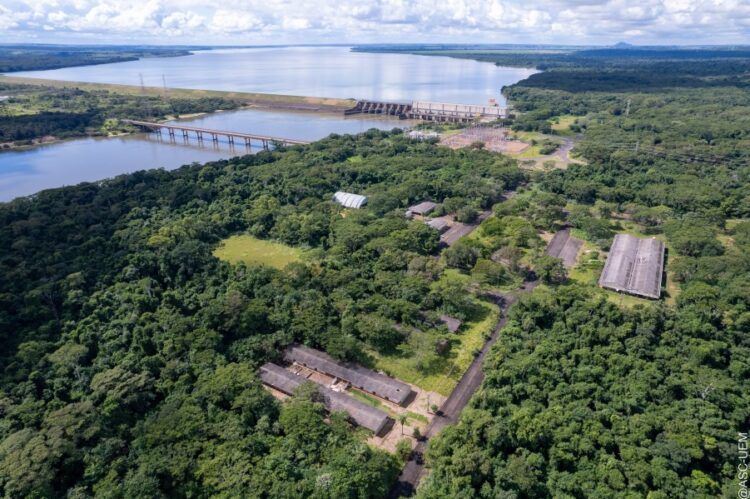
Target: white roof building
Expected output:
[634,266]
[349,200]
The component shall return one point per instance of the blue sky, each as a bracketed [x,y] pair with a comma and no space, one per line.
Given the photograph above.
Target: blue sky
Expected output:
[342,21]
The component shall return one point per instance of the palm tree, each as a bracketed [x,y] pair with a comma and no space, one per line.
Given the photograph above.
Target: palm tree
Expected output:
[402,420]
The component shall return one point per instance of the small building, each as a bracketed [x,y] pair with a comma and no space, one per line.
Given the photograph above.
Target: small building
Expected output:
[423,135]
[634,266]
[451,323]
[364,379]
[439,224]
[423,208]
[349,200]
[360,413]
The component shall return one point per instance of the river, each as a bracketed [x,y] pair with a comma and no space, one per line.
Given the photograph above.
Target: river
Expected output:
[311,71]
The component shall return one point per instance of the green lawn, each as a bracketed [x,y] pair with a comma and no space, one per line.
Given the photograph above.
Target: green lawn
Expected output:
[250,250]
[562,127]
[444,374]
[367,399]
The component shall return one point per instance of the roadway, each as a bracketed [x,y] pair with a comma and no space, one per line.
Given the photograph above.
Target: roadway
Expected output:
[209,131]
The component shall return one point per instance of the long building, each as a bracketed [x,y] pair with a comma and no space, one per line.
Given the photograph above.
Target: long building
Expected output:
[634,266]
[366,380]
[362,414]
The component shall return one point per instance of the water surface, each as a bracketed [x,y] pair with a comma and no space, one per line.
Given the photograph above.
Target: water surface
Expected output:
[24,172]
[311,71]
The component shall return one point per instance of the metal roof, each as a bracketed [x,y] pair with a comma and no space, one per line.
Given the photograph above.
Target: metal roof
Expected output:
[439,224]
[349,200]
[422,208]
[451,323]
[362,414]
[634,266]
[364,379]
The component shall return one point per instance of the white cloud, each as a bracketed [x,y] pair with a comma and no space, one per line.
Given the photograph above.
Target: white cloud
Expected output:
[295,23]
[230,21]
[181,23]
[283,21]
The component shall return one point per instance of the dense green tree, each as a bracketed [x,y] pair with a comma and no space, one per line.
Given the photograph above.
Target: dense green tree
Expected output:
[461,256]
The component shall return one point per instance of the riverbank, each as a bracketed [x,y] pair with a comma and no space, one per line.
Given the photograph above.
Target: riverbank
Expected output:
[48,140]
[249,99]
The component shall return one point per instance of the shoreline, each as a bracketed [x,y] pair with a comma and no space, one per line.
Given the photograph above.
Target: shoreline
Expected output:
[250,99]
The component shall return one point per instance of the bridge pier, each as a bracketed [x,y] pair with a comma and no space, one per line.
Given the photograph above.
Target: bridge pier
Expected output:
[232,137]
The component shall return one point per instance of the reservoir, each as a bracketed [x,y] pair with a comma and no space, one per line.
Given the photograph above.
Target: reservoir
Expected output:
[24,172]
[311,71]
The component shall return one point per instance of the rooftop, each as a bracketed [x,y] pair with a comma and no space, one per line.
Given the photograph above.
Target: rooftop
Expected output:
[634,266]
[360,377]
[422,208]
[349,200]
[439,224]
[452,323]
[362,414]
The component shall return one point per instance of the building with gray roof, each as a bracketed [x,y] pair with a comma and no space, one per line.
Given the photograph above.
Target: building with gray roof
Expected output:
[423,208]
[440,224]
[634,266]
[451,323]
[349,200]
[364,379]
[360,413]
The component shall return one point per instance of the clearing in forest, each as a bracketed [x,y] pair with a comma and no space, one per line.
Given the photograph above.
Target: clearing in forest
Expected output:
[250,250]
[416,362]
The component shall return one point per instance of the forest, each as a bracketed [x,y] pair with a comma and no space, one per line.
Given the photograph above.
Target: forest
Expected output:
[585,398]
[35,57]
[130,351]
[32,112]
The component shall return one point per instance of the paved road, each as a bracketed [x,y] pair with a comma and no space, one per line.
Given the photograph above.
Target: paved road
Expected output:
[451,409]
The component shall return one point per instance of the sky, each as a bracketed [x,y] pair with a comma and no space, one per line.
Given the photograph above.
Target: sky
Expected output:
[270,22]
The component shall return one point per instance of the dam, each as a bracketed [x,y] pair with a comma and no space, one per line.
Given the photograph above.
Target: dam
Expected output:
[430,111]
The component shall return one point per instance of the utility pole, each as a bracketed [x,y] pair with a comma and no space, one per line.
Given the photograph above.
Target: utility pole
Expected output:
[164,83]
[627,109]
[637,145]
[143,87]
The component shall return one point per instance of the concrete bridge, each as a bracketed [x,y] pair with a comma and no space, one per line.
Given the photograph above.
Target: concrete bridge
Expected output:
[184,130]
[430,111]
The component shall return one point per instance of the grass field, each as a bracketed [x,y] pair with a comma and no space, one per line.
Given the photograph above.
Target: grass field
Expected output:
[367,399]
[562,127]
[250,250]
[444,374]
